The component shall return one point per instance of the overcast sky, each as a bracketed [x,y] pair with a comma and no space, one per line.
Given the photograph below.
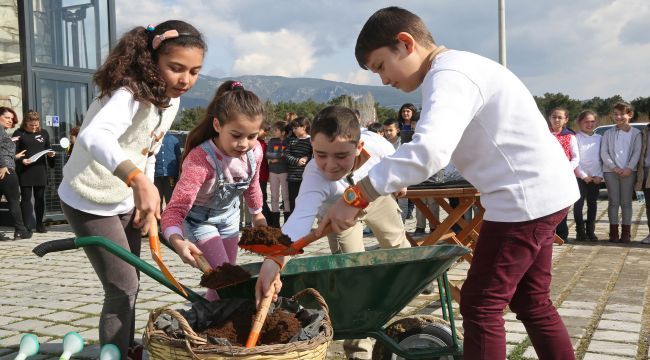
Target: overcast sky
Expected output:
[582,48]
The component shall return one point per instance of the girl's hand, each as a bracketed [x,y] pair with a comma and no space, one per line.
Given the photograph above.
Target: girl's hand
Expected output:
[147,203]
[587,179]
[618,171]
[21,154]
[185,249]
[597,179]
[3,171]
[302,161]
[626,172]
[259,220]
[27,161]
[268,281]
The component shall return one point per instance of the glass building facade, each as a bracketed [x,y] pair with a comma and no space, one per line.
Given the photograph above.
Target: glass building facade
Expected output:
[49,50]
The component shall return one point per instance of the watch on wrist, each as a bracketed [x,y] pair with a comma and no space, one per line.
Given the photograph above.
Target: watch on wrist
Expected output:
[353,196]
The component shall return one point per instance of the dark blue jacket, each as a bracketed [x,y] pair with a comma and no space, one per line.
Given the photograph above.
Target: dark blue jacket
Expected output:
[169,157]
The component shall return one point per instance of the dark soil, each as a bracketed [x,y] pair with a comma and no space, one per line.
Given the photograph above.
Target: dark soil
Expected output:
[264,235]
[223,276]
[279,327]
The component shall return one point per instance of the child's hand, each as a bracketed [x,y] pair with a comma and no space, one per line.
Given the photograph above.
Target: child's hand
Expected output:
[302,161]
[626,172]
[587,179]
[27,161]
[268,281]
[21,154]
[147,203]
[340,216]
[3,171]
[184,249]
[259,220]
[597,179]
[51,154]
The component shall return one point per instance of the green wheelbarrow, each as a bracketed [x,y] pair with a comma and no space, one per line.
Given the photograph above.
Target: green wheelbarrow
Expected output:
[364,292]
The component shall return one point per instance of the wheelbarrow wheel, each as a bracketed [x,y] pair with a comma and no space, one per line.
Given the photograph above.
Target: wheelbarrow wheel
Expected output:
[416,333]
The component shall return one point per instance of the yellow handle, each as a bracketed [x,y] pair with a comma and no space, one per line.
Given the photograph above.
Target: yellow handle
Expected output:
[202,263]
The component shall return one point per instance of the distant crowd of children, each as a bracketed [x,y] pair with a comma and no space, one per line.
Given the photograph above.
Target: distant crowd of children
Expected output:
[619,158]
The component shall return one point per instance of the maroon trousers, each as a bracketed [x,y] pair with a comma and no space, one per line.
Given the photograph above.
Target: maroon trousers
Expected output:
[512,266]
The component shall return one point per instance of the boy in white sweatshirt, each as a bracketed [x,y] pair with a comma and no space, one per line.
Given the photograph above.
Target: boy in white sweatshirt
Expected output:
[480,116]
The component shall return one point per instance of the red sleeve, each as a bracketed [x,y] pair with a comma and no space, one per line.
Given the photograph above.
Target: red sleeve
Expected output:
[253,195]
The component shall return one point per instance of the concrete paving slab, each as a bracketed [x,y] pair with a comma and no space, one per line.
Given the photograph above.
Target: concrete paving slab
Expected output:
[612,348]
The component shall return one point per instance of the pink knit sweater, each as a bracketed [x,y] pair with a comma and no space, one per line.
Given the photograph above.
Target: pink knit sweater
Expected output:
[197,184]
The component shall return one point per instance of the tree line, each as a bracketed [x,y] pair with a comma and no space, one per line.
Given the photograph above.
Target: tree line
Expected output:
[187,118]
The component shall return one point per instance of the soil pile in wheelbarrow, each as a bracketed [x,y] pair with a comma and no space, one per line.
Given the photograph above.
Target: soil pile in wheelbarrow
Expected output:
[223,276]
[264,235]
[279,328]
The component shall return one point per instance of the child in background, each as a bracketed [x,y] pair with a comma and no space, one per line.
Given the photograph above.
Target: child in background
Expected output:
[167,165]
[391,132]
[642,182]
[377,128]
[479,116]
[407,119]
[298,154]
[107,187]
[558,118]
[221,161]
[264,169]
[278,172]
[620,151]
[590,174]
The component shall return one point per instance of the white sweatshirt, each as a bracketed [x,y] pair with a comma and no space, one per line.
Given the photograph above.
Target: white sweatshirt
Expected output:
[480,116]
[317,193]
[589,149]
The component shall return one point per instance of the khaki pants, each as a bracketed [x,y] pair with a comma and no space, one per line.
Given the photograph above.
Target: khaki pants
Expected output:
[383,217]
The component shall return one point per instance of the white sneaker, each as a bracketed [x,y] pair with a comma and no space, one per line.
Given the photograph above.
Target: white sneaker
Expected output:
[646,240]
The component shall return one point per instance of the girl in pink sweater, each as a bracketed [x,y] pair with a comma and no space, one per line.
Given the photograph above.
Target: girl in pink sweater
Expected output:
[221,161]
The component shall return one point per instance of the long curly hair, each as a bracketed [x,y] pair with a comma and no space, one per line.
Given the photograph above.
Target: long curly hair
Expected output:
[231,99]
[133,63]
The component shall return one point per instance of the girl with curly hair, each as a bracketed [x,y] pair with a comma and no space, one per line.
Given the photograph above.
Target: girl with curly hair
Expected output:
[107,188]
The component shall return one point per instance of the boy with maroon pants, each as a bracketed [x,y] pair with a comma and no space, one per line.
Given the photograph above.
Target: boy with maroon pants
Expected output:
[481,117]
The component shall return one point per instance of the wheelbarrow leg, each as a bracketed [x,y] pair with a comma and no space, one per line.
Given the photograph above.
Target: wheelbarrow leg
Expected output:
[450,310]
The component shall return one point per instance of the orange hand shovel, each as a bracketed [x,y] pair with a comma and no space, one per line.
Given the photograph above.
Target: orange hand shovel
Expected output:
[281,250]
[154,244]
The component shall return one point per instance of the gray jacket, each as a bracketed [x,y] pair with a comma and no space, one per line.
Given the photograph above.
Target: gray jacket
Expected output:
[607,149]
[7,150]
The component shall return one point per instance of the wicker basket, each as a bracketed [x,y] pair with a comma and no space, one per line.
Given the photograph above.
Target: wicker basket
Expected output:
[193,347]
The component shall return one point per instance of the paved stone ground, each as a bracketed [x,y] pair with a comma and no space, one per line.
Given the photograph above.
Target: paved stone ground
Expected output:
[602,291]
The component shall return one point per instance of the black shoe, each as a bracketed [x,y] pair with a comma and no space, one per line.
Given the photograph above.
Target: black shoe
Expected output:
[22,235]
[418,232]
[41,229]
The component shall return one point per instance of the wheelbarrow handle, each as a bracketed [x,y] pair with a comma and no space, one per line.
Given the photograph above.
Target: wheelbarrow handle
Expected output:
[54,246]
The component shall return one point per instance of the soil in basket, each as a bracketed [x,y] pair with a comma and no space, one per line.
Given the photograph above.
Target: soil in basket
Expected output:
[264,235]
[279,327]
[223,276]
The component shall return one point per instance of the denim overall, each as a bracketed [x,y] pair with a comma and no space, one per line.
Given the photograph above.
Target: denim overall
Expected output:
[221,216]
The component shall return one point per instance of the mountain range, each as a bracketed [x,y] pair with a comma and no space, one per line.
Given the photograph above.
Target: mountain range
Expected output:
[283,89]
